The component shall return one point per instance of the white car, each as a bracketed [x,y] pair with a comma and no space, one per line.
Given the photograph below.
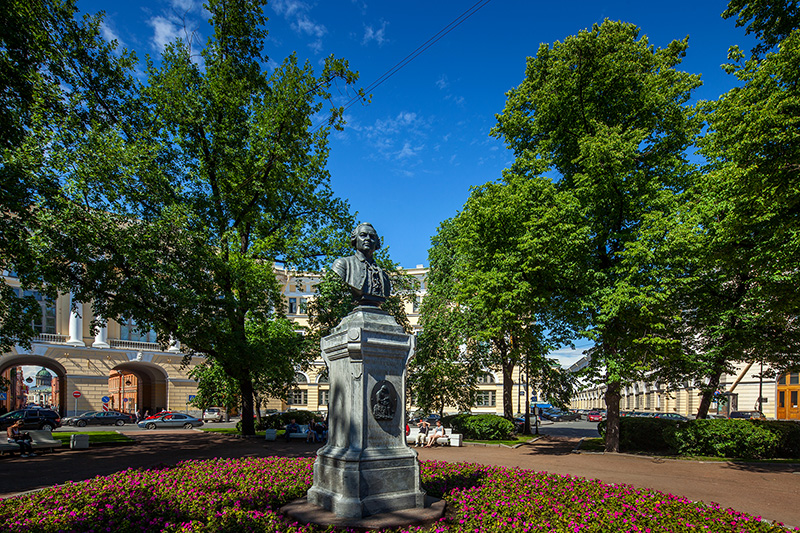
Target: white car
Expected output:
[213,414]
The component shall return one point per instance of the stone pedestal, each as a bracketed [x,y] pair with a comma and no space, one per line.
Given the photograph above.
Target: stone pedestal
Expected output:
[366,468]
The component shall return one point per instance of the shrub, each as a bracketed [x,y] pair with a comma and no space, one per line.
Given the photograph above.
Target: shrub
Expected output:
[788,434]
[279,420]
[640,434]
[482,427]
[724,438]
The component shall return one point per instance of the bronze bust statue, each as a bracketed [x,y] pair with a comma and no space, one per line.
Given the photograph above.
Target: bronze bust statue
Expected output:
[368,282]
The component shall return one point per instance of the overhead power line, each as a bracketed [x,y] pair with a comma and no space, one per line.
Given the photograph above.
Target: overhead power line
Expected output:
[419,50]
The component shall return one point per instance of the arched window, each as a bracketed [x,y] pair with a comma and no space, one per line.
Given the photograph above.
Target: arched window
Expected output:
[322,378]
[299,377]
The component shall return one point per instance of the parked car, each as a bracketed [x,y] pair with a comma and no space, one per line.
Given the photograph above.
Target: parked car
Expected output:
[213,414]
[594,416]
[70,420]
[559,415]
[46,419]
[672,416]
[171,420]
[102,418]
[158,415]
[750,415]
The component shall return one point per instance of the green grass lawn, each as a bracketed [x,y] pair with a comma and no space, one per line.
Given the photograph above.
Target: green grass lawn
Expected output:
[95,437]
[510,442]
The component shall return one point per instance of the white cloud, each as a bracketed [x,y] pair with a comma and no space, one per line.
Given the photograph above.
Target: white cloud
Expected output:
[109,34]
[442,82]
[164,32]
[296,13]
[408,151]
[372,34]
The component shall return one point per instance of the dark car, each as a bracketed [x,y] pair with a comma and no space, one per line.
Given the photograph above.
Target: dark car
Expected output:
[102,418]
[46,419]
[559,415]
[672,416]
[748,415]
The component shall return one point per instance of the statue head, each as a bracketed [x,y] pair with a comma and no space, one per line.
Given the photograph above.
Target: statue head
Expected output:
[365,239]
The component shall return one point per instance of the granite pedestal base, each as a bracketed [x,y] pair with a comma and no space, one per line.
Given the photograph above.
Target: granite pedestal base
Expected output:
[366,468]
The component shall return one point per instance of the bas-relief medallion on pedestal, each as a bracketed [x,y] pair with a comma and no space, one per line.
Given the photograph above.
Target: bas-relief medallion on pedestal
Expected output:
[383,401]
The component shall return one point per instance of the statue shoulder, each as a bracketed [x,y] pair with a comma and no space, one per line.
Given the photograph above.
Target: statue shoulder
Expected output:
[341,265]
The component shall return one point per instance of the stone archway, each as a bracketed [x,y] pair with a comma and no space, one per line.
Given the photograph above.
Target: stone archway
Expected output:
[11,361]
[150,384]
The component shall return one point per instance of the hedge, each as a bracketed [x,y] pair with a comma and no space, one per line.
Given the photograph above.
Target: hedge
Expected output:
[736,439]
[481,427]
[279,420]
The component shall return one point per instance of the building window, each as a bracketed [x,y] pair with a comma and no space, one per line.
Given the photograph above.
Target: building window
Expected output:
[324,395]
[130,331]
[46,321]
[485,398]
[299,377]
[486,378]
[303,306]
[793,378]
[292,306]
[299,285]
[781,399]
[794,399]
[298,397]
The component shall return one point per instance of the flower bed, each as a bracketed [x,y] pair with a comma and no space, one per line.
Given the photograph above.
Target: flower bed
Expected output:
[244,495]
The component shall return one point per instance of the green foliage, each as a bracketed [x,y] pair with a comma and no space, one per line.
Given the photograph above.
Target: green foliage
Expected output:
[788,435]
[482,427]
[607,111]
[57,76]
[770,20]
[640,434]
[723,438]
[177,211]
[279,420]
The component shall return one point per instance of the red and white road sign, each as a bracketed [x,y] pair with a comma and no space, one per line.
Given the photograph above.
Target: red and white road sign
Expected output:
[77,394]
[105,407]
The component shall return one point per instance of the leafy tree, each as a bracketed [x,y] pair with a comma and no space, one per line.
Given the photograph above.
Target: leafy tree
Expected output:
[448,358]
[607,112]
[744,210]
[503,270]
[770,20]
[56,72]
[214,386]
[175,215]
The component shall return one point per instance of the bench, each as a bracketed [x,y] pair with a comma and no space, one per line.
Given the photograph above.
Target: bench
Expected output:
[450,438]
[302,434]
[40,439]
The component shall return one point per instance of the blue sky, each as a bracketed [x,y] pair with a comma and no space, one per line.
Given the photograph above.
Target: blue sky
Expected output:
[408,159]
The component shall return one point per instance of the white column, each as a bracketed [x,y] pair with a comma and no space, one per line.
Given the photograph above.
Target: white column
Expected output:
[174,345]
[101,339]
[75,325]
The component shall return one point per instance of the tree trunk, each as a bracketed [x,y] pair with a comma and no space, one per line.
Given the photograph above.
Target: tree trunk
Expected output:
[508,389]
[612,397]
[246,387]
[708,392]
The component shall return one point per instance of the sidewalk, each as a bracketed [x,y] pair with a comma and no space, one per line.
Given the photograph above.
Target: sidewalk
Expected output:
[768,490]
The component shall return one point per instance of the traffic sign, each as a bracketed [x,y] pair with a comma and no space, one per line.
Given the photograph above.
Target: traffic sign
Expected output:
[3,396]
[105,399]
[124,399]
[105,407]
[192,397]
[77,394]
